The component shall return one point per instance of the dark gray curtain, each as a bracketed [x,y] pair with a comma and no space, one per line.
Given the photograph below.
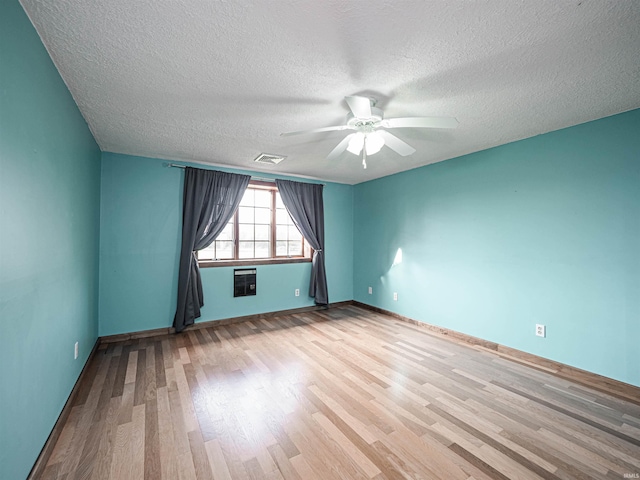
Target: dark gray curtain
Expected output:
[304,204]
[210,200]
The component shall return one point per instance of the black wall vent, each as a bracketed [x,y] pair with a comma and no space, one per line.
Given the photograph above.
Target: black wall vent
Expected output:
[244,282]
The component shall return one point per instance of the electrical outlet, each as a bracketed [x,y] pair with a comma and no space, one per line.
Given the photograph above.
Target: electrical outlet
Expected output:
[370,290]
[297,292]
[541,330]
[395,296]
[75,351]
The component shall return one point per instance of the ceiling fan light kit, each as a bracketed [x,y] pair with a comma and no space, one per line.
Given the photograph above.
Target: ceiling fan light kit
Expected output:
[369,122]
[372,142]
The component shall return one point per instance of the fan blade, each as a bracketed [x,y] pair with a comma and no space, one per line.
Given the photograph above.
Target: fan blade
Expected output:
[317,130]
[395,144]
[420,122]
[360,106]
[341,147]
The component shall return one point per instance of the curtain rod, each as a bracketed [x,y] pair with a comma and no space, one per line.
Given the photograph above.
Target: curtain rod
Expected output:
[260,179]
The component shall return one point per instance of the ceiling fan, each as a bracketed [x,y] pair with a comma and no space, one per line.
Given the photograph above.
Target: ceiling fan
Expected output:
[370,129]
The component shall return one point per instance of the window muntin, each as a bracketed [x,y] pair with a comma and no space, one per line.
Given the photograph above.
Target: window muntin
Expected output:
[261,229]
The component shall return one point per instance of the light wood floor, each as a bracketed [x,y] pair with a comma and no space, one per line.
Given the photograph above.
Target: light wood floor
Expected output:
[341,393]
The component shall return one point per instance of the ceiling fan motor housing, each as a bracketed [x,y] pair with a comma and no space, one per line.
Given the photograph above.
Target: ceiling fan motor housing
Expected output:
[365,124]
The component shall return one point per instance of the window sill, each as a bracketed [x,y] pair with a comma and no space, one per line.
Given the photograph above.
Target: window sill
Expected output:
[251,262]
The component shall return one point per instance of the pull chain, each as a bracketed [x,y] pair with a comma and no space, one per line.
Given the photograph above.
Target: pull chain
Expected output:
[364,153]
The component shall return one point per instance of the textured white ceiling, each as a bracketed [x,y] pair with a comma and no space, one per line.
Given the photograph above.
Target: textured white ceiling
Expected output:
[217,82]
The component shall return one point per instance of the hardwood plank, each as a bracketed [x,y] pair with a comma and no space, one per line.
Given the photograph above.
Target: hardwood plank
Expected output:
[199,395]
[180,438]
[283,463]
[91,445]
[199,456]
[126,405]
[216,460]
[342,393]
[161,380]
[186,401]
[123,454]
[168,461]
[132,366]
[357,427]
[581,418]
[621,390]
[303,469]
[60,451]
[50,472]
[104,455]
[123,367]
[88,411]
[140,378]
[137,442]
[152,463]
[254,472]
[473,460]
[352,451]
[186,469]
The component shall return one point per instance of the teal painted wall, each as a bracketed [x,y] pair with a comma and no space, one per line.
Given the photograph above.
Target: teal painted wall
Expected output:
[544,230]
[539,231]
[49,207]
[140,240]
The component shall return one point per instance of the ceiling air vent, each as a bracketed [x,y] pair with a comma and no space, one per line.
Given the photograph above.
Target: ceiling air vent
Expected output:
[269,159]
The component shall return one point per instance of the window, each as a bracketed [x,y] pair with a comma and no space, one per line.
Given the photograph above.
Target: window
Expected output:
[261,231]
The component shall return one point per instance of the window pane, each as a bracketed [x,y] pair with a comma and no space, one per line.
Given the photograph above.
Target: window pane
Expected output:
[245,215]
[279,203]
[282,217]
[207,253]
[281,232]
[262,250]
[263,232]
[247,198]
[246,250]
[294,234]
[224,250]
[263,215]
[295,248]
[263,198]
[281,249]
[227,233]
[246,232]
